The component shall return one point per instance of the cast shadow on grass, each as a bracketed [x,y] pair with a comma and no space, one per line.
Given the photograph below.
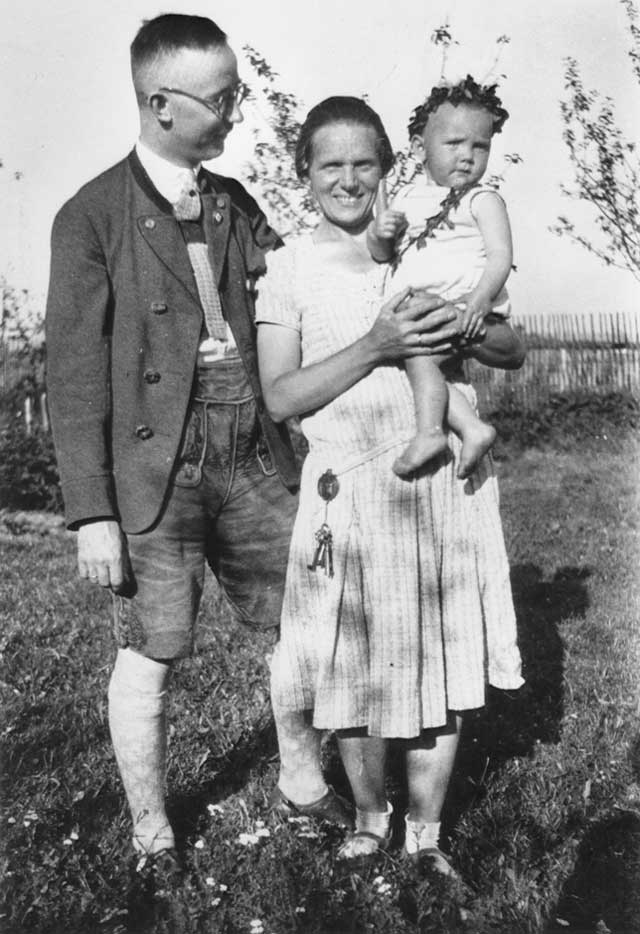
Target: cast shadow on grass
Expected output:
[603,893]
[513,722]
[251,753]
[510,725]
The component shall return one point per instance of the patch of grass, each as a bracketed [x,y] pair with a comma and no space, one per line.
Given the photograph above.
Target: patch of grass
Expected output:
[543,815]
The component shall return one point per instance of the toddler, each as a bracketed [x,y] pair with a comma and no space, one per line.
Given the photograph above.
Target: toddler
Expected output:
[465,229]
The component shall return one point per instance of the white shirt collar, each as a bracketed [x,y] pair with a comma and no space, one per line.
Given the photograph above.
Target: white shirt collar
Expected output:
[168,178]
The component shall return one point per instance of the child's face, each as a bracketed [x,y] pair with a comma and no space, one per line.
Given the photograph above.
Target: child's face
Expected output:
[455,144]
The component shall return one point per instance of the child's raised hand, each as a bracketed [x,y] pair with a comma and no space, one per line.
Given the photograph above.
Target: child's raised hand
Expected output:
[477,307]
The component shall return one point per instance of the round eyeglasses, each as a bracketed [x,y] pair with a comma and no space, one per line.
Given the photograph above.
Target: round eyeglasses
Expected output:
[222,104]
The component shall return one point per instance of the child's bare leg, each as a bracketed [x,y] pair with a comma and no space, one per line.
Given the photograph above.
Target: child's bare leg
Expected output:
[477,436]
[430,395]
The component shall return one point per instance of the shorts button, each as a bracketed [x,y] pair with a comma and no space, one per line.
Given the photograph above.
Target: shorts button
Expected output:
[144,432]
[217,217]
[220,202]
[149,223]
[158,308]
[151,376]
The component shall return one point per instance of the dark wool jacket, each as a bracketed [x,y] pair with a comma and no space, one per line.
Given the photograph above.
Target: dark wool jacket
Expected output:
[123,326]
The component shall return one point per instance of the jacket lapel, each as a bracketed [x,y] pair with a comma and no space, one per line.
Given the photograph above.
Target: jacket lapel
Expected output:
[162,233]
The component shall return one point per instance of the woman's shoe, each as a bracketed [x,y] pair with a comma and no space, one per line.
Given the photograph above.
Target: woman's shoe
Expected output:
[371,836]
[361,844]
[432,858]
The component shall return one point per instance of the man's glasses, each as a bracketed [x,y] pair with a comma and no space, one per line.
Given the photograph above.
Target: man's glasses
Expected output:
[222,104]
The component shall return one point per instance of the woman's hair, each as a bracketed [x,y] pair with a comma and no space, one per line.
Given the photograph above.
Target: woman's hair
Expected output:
[464,92]
[341,110]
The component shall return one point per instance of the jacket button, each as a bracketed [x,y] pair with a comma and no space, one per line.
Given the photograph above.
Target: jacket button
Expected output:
[217,217]
[158,308]
[220,202]
[151,376]
[144,432]
[149,223]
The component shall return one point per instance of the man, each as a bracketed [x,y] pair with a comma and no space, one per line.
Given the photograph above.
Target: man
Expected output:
[166,455]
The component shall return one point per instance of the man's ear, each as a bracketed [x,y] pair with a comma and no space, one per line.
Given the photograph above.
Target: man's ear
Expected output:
[160,107]
[417,148]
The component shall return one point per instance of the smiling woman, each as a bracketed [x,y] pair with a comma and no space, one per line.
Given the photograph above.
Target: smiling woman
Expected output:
[389,629]
[344,175]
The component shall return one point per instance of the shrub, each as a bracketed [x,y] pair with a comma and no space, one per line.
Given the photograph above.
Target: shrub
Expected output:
[28,472]
[566,419]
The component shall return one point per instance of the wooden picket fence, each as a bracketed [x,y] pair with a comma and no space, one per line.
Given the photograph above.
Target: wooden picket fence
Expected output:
[595,354]
[565,353]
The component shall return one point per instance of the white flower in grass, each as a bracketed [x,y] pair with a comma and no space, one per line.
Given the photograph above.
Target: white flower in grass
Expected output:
[262,832]
[11,820]
[199,844]
[300,910]
[215,809]
[215,902]
[247,839]
[223,888]
[256,926]
[210,880]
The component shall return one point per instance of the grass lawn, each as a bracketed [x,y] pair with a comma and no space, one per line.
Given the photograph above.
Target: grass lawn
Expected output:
[543,818]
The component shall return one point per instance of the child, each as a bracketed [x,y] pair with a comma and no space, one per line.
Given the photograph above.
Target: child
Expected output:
[465,229]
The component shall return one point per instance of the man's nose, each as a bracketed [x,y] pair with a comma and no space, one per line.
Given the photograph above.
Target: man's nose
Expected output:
[236,115]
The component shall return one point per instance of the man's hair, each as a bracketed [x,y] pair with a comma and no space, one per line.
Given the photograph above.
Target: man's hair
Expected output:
[467,92]
[168,34]
[341,110]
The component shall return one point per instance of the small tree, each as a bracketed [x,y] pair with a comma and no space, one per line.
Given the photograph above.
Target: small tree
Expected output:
[606,167]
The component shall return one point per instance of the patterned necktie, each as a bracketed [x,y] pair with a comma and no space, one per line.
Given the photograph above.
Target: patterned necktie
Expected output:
[188,207]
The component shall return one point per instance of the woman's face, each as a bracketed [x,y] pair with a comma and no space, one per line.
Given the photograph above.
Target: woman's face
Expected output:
[344,173]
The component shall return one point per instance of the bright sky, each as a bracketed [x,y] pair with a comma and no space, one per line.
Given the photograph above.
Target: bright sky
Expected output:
[67,110]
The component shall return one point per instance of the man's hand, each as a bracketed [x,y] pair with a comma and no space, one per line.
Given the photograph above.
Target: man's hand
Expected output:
[413,324]
[100,553]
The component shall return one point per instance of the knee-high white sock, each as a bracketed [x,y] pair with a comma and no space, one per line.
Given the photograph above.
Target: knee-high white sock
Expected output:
[137,694]
[301,779]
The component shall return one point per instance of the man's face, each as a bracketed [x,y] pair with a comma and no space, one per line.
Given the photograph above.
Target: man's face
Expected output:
[192,132]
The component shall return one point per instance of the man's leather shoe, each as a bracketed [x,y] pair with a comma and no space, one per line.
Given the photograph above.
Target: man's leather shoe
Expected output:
[331,807]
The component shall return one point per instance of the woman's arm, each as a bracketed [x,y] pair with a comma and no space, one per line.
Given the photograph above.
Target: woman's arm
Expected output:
[499,346]
[406,326]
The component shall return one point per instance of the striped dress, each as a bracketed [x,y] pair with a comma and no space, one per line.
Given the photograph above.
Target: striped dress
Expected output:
[418,615]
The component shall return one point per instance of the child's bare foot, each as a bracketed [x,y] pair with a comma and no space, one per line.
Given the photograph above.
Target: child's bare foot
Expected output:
[476,441]
[422,448]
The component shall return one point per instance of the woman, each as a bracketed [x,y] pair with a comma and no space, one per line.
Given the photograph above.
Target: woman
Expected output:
[383,629]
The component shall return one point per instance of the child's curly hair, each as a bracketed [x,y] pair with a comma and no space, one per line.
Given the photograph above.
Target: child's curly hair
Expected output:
[464,92]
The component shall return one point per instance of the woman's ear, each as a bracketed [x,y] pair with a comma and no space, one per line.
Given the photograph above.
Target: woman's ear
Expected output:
[417,148]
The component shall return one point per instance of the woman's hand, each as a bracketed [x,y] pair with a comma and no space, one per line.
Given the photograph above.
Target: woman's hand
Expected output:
[413,323]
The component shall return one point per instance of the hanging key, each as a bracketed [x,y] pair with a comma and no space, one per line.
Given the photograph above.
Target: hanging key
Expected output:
[323,555]
[328,487]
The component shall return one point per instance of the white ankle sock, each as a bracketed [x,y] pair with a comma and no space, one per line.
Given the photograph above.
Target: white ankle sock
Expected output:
[420,835]
[137,695]
[376,822]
